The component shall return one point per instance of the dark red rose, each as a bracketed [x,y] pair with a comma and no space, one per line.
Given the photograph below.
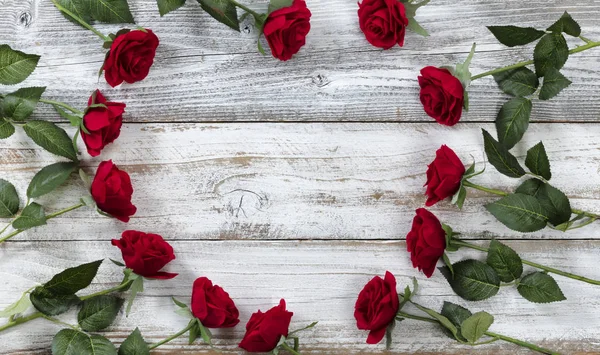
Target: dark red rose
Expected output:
[212,305]
[112,190]
[285,29]
[130,57]
[383,22]
[264,330]
[145,254]
[444,175]
[426,241]
[377,306]
[104,124]
[442,95]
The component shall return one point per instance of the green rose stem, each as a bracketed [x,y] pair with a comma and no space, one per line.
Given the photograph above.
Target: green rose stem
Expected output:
[495,336]
[63,105]
[80,21]
[460,243]
[503,193]
[589,45]
[36,315]
[247,9]
[50,216]
[289,348]
[172,337]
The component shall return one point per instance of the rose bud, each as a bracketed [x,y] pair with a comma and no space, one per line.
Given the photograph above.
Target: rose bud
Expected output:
[145,254]
[444,176]
[285,29]
[212,305]
[112,190]
[264,330]
[377,306]
[442,95]
[130,57]
[102,123]
[426,241]
[383,22]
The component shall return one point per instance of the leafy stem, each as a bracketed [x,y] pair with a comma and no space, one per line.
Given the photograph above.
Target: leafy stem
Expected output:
[172,337]
[289,349]
[256,15]
[117,288]
[460,243]
[61,104]
[80,21]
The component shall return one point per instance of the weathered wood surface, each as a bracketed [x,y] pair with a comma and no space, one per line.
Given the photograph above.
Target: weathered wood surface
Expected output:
[301,181]
[206,72]
[320,280]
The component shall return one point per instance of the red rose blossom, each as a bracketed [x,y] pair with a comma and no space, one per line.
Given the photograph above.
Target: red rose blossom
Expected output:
[377,306]
[145,254]
[442,95]
[383,22]
[264,330]
[444,175]
[212,305]
[285,29]
[130,57]
[426,241]
[102,123]
[112,190]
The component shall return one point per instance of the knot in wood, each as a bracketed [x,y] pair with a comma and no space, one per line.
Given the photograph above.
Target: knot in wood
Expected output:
[25,19]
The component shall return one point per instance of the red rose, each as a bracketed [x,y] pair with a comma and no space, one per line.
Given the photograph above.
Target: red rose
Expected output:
[112,190]
[145,254]
[104,124]
[444,176]
[212,305]
[442,95]
[383,22]
[264,330]
[426,241]
[285,29]
[130,57]
[377,306]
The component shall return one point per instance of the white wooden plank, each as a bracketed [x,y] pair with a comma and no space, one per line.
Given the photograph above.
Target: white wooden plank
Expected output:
[320,281]
[207,72]
[301,181]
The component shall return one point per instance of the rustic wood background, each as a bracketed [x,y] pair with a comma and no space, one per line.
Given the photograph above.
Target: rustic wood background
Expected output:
[298,180]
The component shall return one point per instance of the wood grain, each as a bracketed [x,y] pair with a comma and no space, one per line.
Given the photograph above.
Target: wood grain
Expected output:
[300,181]
[320,280]
[205,72]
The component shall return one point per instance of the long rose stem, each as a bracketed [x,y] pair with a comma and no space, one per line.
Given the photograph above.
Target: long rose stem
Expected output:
[61,104]
[585,47]
[290,349]
[461,243]
[80,21]
[172,337]
[246,8]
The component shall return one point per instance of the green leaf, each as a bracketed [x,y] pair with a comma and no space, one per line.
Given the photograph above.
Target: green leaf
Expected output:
[99,312]
[512,36]
[15,66]
[551,51]
[517,82]
[539,287]
[134,345]
[80,8]
[553,201]
[455,314]
[6,129]
[537,161]
[462,72]
[499,156]
[279,4]
[72,342]
[136,287]
[513,120]
[73,279]
[52,304]
[166,6]
[415,27]
[474,327]
[459,197]
[19,306]
[448,263]
[32,216]
[505,261]
[223,11]
[110,11]
[74,120]
[179,303]
[49,178]
[519,212]
[445,322]
[9,199]
[19,105]
[412,7]
[554,83]
[473,280]
[567,25]
[51,137]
